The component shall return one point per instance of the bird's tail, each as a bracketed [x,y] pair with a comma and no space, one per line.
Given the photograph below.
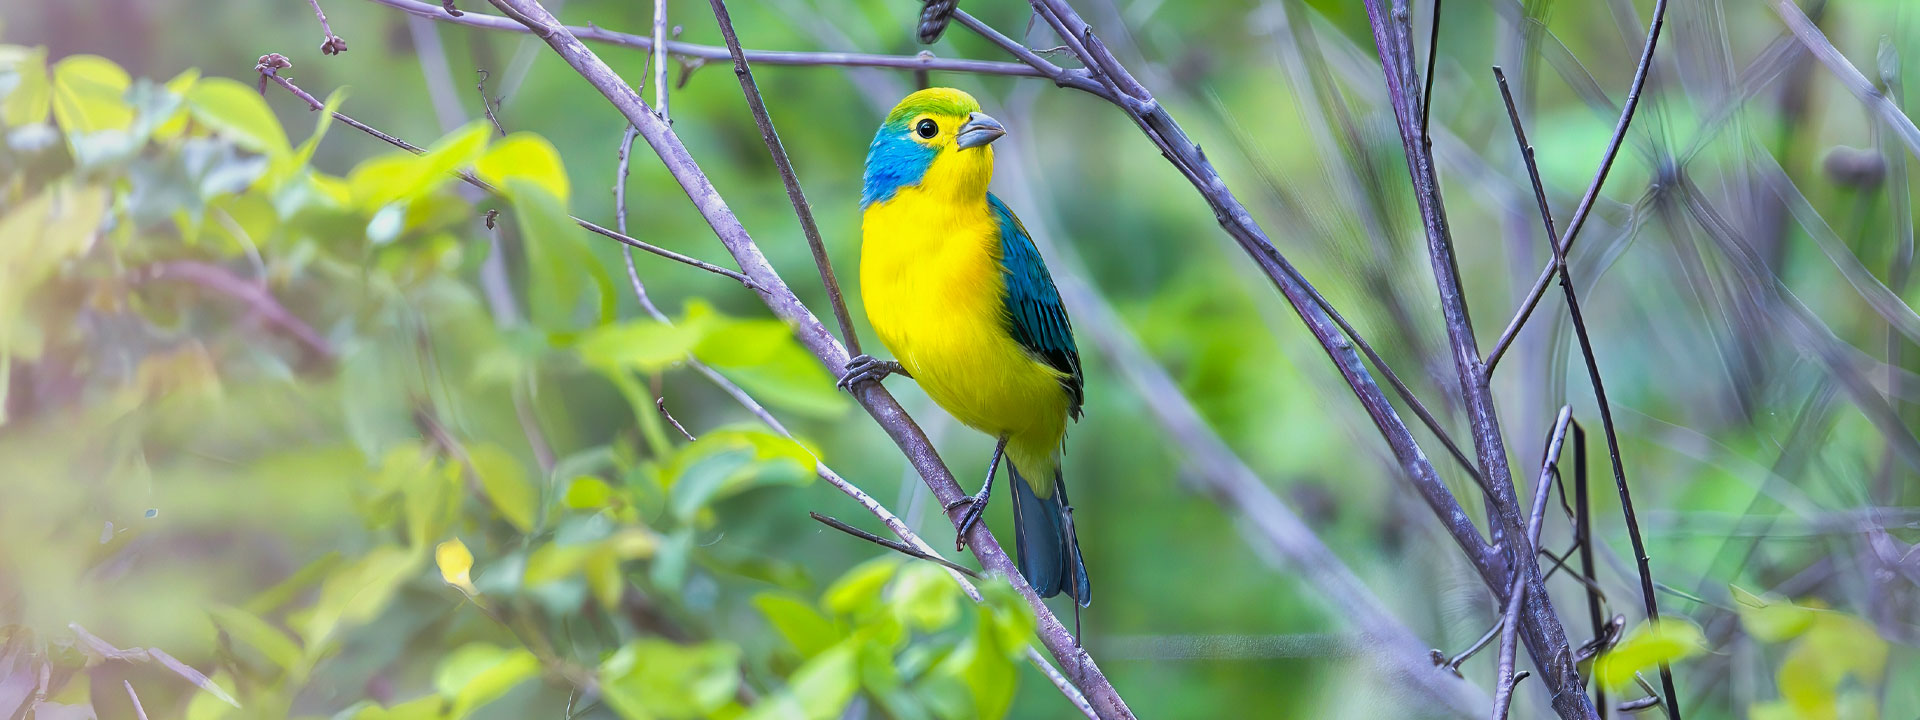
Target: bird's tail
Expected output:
[1044,540]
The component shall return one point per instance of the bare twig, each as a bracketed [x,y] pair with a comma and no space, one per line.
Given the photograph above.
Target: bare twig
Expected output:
[1565,244]
[795,196]
[895,545]
[333,45]
[814,336]
[711,52]
[1593,375]
[1545,637]
[138,711]
[490,106]
[1504,679]
[1426,95]
[1583,534]
[659,61]
[267,72]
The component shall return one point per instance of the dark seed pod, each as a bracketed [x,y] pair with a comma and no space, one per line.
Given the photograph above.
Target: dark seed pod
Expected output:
[933,19]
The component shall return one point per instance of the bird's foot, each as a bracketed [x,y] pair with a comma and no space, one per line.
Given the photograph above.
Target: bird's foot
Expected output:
[976,506]
[866,368]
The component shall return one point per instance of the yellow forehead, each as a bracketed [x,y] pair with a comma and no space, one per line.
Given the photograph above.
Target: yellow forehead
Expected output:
[947,102]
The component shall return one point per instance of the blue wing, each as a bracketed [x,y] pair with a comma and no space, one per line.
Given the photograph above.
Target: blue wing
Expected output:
[1035,315]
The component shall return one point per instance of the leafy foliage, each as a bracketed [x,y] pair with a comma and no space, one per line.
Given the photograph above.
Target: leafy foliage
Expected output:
[176,214]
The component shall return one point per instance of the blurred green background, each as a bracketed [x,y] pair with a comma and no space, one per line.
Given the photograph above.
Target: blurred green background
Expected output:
[253,384]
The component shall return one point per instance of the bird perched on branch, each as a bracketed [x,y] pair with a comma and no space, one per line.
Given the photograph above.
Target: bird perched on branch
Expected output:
[958,293]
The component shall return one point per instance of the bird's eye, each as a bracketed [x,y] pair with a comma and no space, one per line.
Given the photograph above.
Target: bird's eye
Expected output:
[927,128]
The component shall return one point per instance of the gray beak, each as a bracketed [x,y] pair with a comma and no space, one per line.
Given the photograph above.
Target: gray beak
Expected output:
[980,129]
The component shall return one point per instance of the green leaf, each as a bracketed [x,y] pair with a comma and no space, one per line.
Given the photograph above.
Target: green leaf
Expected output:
[358,592]
[32,95]
[1647,646]
[825,684]
[404,177]
[479,673]
[1772,618]
[805,628]
[421,708]
[763,357]
[525,156]
[237,111]
[432,496]
[641,345]
[655,678]
[556,257]
[588,493]
[88,95]
[728,461]
[925,597]
[273,643]
[506,483]
[859,589]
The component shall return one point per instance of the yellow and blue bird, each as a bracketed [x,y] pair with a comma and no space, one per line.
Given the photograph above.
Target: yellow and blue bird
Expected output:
[957,292]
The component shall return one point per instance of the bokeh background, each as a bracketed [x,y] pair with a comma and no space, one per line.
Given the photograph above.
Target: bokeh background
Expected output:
[253,385]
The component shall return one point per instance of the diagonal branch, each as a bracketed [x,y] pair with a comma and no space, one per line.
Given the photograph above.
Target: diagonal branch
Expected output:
[1599,389]
[1545,637]
[710,52]
[1565,244]
[794,195]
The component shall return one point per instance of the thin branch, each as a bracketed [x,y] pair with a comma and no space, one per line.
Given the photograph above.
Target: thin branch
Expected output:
[138,711]
[1583,534]
[659,61]
[333,45]
[1426,95]
[795,196]
[1593,375]
[710,52]
[1856,83]
[268,72]
[1504,679]
[1545,637]
[814,336]
[1565,244]
[895,545]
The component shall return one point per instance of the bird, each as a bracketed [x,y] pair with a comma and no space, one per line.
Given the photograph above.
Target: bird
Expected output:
[957,292]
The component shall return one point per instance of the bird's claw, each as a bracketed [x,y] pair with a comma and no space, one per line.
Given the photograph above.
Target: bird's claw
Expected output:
[865,368]
[976,506]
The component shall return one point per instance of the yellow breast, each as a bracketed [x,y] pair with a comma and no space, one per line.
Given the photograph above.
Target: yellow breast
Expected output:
[931,279]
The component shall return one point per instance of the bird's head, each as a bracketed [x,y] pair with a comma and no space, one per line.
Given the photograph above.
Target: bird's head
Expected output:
[936,139]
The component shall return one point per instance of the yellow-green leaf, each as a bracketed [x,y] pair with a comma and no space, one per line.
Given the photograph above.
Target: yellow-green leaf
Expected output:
[89,95]
[1772,618]
[1647,646]
[655,678]
[272,643]
[525,156]
[506,483]
[860,587]
[32,96]
[805,628]
[456,564]
[479,673]
[237,112]
[642,345]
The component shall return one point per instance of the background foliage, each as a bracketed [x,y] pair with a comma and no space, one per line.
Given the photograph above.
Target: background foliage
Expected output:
[266,415]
